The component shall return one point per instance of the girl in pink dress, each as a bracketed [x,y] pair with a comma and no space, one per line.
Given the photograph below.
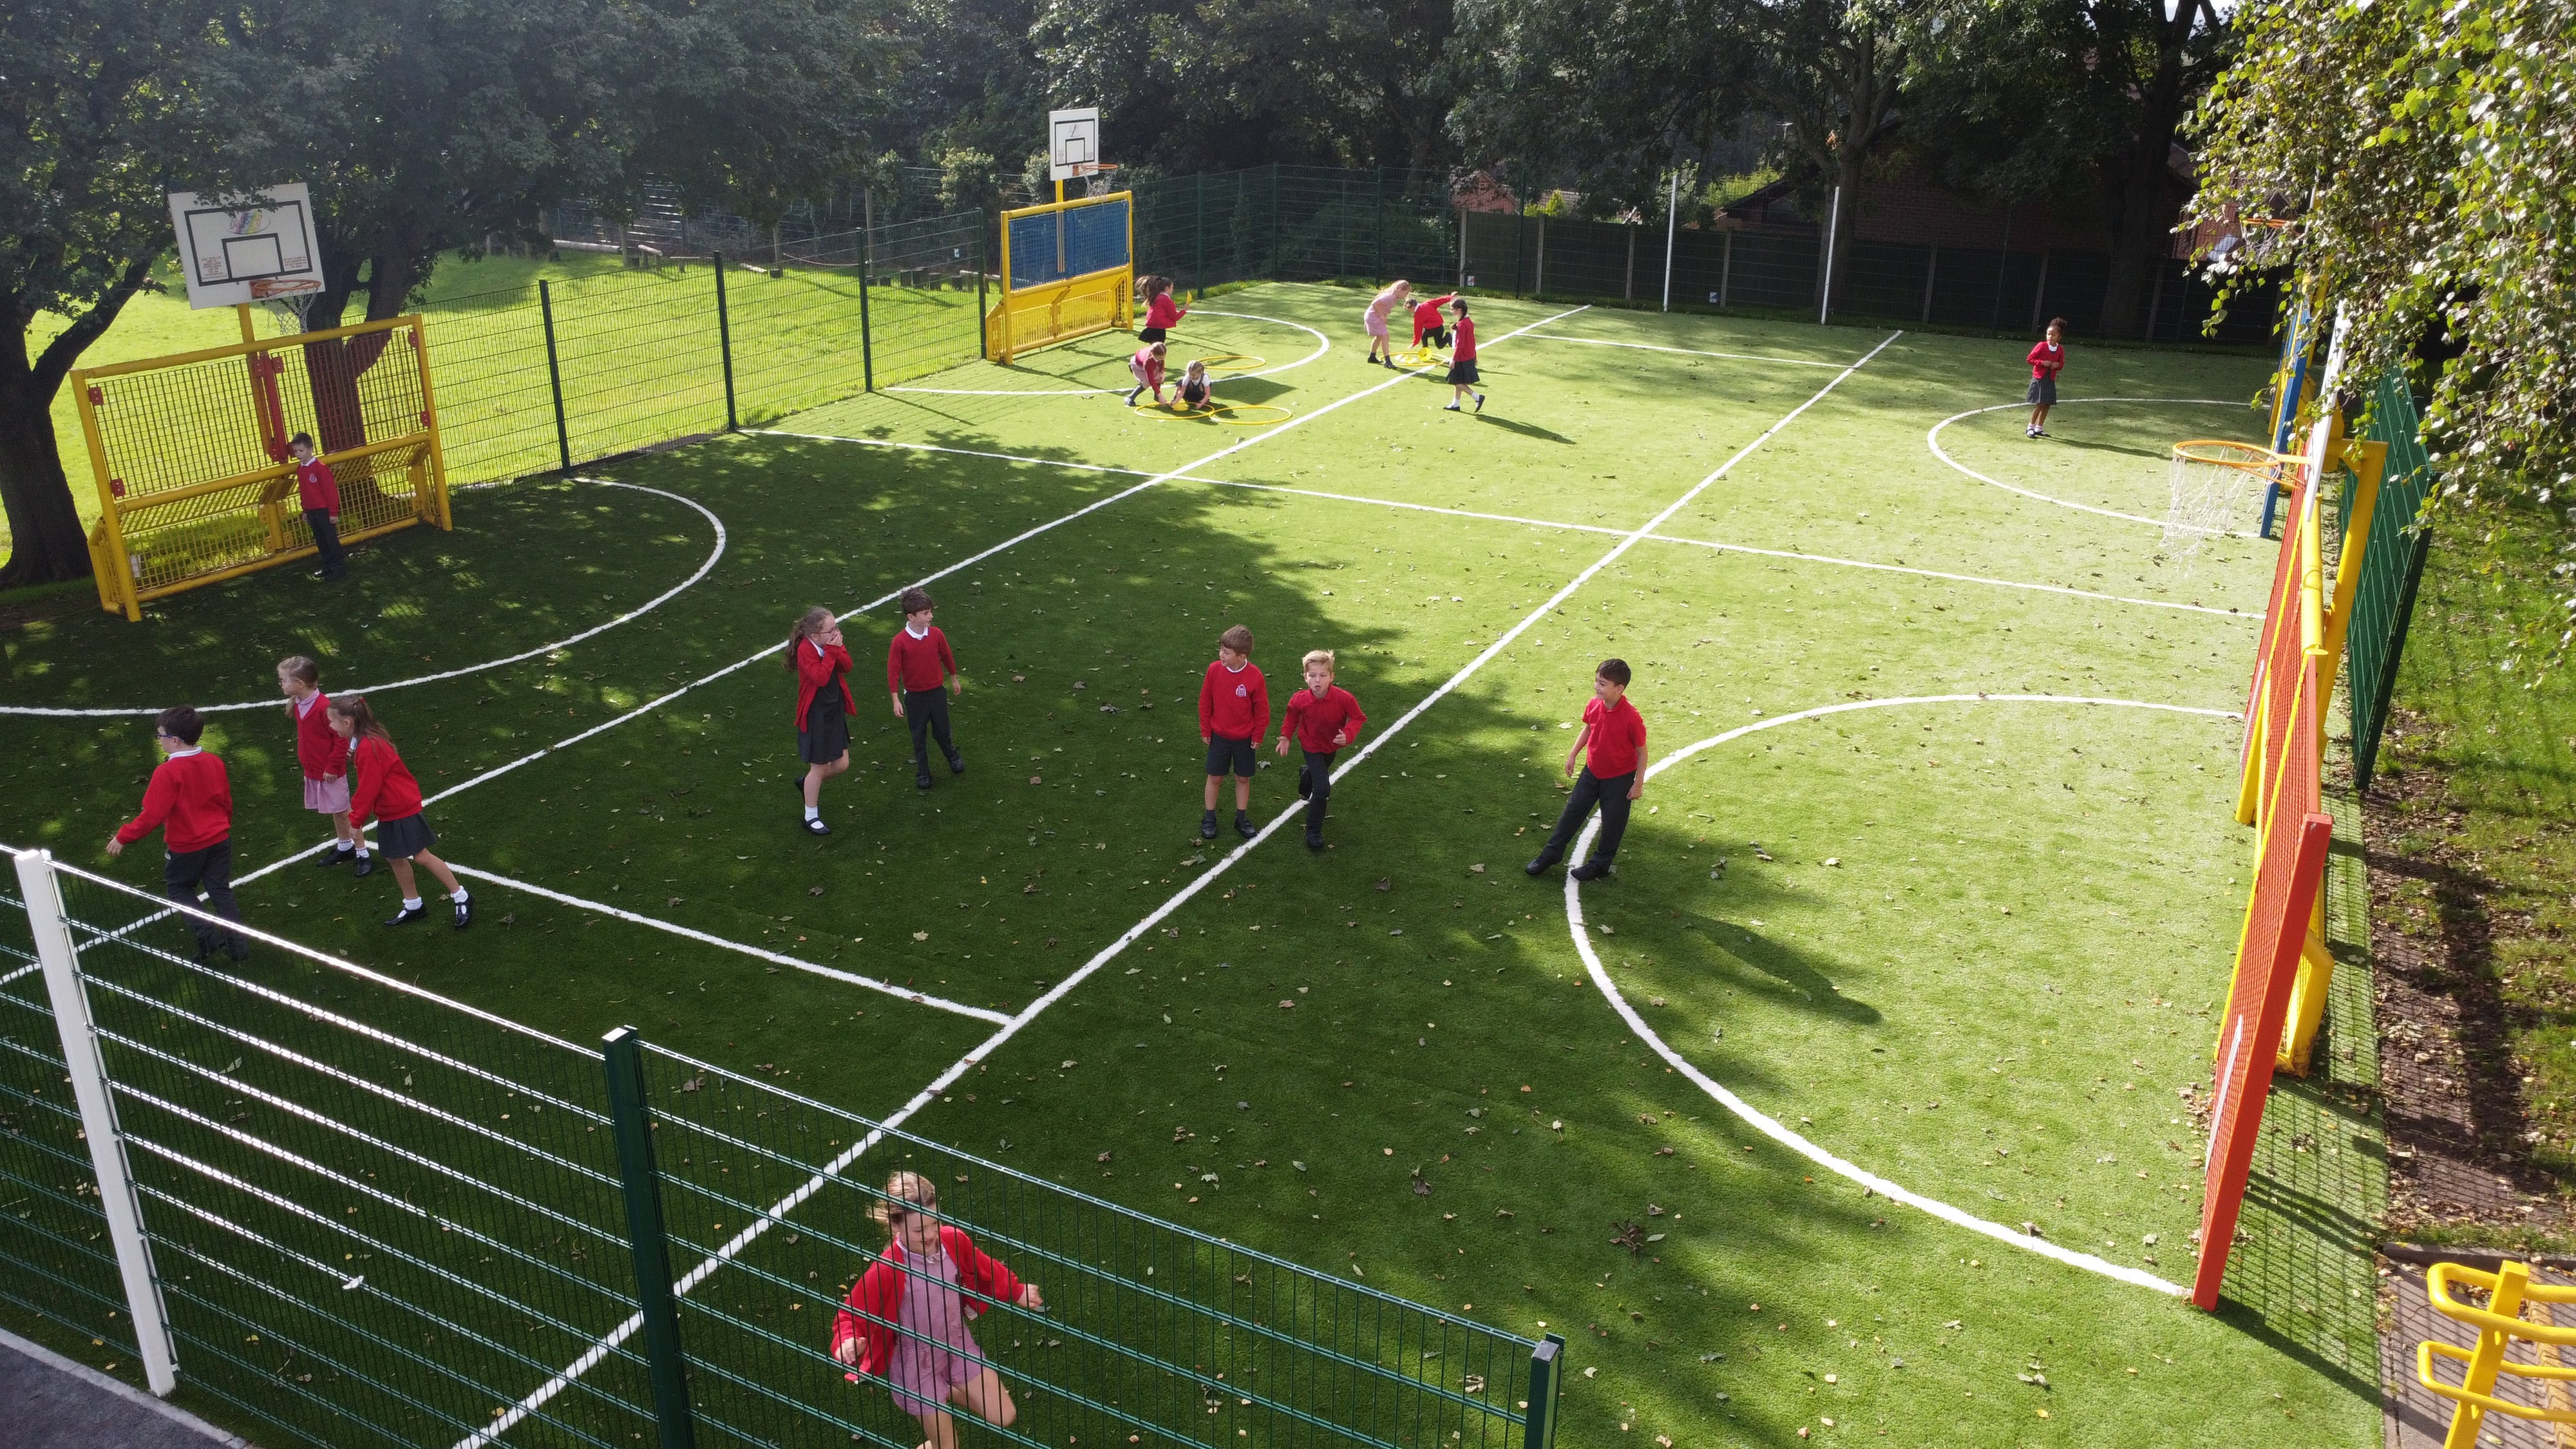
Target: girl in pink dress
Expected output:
[1382,350]
[905,1319]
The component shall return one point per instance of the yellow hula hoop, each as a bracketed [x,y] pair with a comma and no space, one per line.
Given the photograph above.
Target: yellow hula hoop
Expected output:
[1230,362]
[1172,414]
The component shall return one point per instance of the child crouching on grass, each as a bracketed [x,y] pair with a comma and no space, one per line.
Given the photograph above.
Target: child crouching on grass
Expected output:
[1613,778]
[1324,718]
[905,1319]
[382,789]
[324,757]
[1147,368]
[1234,717]
[1195,390]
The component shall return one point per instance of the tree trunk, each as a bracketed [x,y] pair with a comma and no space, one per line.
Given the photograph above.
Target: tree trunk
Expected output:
[2143,235]
[46,542]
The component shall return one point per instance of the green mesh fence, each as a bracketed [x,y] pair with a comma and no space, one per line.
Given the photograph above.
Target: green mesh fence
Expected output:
[2390,569]
[377,1216]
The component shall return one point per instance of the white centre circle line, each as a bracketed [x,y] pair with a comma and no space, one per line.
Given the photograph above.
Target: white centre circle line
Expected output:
[1770,1126]
[637,612]
[1323,344]
[1932,440]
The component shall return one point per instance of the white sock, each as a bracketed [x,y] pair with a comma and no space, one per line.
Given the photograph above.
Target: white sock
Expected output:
[362,850]
[411,903]
[457,895]
[344,847]
[813,812]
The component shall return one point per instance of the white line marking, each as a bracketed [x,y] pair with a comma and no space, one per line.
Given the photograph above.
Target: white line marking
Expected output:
[1853,563]
[1687,351]
[918,998]
[1323,344]
[638,611]
[1932,440]
[1762,1121]
[733,1247]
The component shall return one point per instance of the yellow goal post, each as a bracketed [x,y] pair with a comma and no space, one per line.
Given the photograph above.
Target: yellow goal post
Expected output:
[195,480]
[1068,271]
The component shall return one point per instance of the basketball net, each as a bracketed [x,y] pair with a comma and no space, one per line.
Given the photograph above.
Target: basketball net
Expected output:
[2218,488]
[286,301]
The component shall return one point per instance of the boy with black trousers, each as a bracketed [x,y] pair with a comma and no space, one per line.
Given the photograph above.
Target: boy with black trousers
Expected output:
[1613,778]
[921,674]
[190,800]
[1322,718]
[317,492]
[1234,718]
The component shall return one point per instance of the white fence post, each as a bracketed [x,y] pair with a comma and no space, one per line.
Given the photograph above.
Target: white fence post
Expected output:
[116,1197]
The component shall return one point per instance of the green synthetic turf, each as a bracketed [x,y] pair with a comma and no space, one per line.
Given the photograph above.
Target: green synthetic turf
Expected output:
[2028,920]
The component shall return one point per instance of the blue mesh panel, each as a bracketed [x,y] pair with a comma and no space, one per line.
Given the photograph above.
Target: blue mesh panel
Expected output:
[1052,246]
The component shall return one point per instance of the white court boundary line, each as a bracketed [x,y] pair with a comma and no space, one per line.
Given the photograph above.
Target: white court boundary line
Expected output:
[1658,537]
[777,1212]
[1932,440]
[1323,344]
[637,612]
[1770,1126]
[853,978]
[1687,351]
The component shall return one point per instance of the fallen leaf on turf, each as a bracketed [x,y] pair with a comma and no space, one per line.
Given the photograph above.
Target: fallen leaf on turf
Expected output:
[1833,860]
[813,890]
[1386,882]
[1034,780]
[696,1083]
[673,901]
[1587,1373]
[1069,1066]
[1019,679]
[1287,1006]
[511,919]
[1104,1157]
[921,935]
[1476,869]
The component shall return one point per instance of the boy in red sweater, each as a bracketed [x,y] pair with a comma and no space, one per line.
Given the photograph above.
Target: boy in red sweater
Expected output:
[317,492]
[1234,718]
[921,674]
[1613,778]
[190,800]
[1324,718]
[2047,360]
[324,757]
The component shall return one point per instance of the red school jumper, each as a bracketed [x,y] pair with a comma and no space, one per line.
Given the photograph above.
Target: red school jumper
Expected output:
[190,800]
[1315,721]
[319,750]
[2047,359]
[918,665]
[316,486]
[817,666]
[1465,350]
[1149,367]
[1234,703]
[381,787]
[1618,734]
[1426,316]
[1163,312]
[879,1294]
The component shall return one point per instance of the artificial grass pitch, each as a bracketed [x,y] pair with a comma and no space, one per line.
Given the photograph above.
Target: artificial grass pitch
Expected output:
[2027,919]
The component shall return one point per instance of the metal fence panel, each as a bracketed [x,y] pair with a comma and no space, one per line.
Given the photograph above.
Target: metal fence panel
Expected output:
[2391,569]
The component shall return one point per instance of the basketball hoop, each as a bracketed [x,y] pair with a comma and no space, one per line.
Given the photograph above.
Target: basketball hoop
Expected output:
[286,298]
[2218,488]
[1097,178]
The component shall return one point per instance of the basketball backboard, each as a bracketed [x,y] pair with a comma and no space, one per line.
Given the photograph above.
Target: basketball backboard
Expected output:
[234,249]
[1073,143]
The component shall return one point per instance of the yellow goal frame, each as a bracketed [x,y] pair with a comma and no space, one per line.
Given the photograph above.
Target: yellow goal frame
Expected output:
[1029,318]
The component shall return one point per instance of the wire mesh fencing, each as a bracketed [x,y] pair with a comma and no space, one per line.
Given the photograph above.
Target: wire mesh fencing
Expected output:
[360,1213]
[2392,568]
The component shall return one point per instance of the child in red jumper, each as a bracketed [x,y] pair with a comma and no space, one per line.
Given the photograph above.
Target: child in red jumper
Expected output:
[1462,362]
[190,800]
[1613,777]
[325,759]
[317,492]
[1161,313]
[921,673]
[2047,360]
[1147,368]
[381,788]
[1426,320]
[1234,718]
[905,1319]
[816,656]
[1324,718]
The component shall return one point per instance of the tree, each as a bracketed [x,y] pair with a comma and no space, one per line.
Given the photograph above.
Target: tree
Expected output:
[103,106]
[1831,72]
[2420,153]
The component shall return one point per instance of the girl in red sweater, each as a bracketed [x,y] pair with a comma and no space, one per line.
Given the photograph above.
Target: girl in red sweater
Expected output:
[823,706]
[1162,314]
[905,1319]
[381,788]
[2047,360]
[325,759]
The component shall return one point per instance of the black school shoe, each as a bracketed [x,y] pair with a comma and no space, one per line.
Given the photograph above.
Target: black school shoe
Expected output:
[464,913]
[408,914]
[1243,825]
[1589,870]
[921,777]
[331,856]
[1315,840]
[956,763]
[1546,859]
[238,948]
[816,826]
[1207,825]
[366,862]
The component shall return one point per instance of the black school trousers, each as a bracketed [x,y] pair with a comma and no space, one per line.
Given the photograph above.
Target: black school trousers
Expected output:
[1590,790]
[186,872]
[926,710]
[1315,776]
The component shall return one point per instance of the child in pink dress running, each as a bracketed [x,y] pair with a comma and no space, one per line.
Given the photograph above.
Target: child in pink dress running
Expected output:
[905,1319]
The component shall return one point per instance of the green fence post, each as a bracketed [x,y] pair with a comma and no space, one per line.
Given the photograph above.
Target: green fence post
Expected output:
[1278,232]
[983,263]
[867,342]
[631,1120]
[1377,237]
[554,373]
[1540,1424]
[724,341]
[1198,231]
[1520,231]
